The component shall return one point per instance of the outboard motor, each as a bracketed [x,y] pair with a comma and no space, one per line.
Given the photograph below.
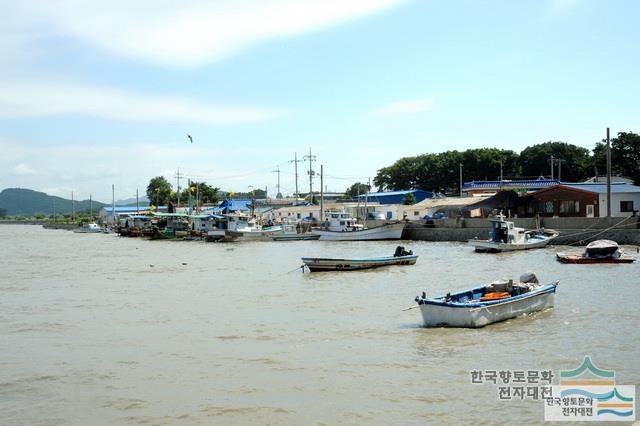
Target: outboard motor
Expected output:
[529,277]
[400,251]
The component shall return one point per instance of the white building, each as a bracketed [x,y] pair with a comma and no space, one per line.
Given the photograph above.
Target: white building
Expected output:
[625,198]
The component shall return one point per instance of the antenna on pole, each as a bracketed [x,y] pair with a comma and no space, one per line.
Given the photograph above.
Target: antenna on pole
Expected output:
[295,162]
[278,194]
[310,158]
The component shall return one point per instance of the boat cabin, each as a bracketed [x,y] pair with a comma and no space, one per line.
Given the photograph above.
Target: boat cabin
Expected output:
[503,231]
[340,221]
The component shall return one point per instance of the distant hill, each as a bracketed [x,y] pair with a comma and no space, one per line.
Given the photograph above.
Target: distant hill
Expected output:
[26,202]
[142,200]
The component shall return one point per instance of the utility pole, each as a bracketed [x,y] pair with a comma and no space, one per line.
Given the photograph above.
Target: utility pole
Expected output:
[560,161]
[137,203]
[113,204]
[178,176]
[310,158]
[54,210]
[295,161]
[501,178]
[278,194]
[90,208]
[73,209]
[197,197]
[189,191]
[460,179]
[321,193]
[551,166]
[608,175]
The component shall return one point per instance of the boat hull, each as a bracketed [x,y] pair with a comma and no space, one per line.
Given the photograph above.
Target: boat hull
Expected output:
[390,231]
[295,237]
[488,246]
[323,264]
[580,259]
[442,314]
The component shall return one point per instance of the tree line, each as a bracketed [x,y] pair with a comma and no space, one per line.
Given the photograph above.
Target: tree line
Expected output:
[571,163]
[160,192]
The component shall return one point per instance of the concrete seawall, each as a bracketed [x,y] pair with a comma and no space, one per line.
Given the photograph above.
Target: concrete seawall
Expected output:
[575,231]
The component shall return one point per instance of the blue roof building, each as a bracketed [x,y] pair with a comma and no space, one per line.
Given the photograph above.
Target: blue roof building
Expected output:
[232,206]
[395,197]
[489,186]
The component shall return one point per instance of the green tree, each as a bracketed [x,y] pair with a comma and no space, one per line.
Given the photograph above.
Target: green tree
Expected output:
[625,156]
[409,199]
[575,163]
[208,194]
[356,189]
[159,191]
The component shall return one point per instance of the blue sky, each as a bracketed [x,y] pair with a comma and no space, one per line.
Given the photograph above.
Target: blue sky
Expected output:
[95,93]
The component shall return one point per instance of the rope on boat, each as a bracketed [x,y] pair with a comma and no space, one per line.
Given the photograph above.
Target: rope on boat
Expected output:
[587,231]
[298,268]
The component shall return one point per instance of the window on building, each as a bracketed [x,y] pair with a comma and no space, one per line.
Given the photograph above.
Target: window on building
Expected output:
[548,207]
[569,206]
[416,213]
[626,206]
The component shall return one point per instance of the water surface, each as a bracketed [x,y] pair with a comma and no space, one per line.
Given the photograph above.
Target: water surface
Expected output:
[98,329]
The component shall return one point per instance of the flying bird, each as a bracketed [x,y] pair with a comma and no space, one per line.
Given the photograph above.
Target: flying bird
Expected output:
[190,138]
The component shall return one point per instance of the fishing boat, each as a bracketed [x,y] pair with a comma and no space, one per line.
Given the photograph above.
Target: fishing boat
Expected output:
[89,228]
[507,237]
[290,233]
[400,257]
[480,306]
[599,251]
[341,226]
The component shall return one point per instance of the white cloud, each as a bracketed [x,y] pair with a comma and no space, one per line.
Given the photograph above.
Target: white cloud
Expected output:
[20,99]
[180,33]
[23,169]
[404,107]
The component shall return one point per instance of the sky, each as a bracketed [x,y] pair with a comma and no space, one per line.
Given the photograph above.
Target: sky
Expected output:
[105,92]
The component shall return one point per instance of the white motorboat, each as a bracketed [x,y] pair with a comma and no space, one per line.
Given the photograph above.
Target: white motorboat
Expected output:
[487,304]
[89,228]
[341,226]
[507,237]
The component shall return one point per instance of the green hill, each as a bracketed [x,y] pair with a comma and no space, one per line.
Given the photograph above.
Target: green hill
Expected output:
[26,202]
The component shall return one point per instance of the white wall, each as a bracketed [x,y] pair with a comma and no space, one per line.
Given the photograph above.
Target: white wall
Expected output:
[616,197]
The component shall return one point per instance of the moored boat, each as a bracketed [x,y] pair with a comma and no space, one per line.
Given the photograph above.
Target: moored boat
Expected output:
[341,226]
[400,257]
[290,233]
[507,237]
[480,306]
[89,228]
[599,251]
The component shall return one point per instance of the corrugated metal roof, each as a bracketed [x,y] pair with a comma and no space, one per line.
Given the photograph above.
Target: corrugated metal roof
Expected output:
[601,188]
[525,183]
[393,193]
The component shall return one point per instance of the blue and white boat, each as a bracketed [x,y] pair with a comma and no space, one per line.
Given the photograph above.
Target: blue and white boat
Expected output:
[507,237]
[401,257]
[477,307]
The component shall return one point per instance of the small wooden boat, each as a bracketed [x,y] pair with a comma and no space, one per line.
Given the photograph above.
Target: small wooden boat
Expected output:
[401,257]
[487,304]
[507,237]
[599,251]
